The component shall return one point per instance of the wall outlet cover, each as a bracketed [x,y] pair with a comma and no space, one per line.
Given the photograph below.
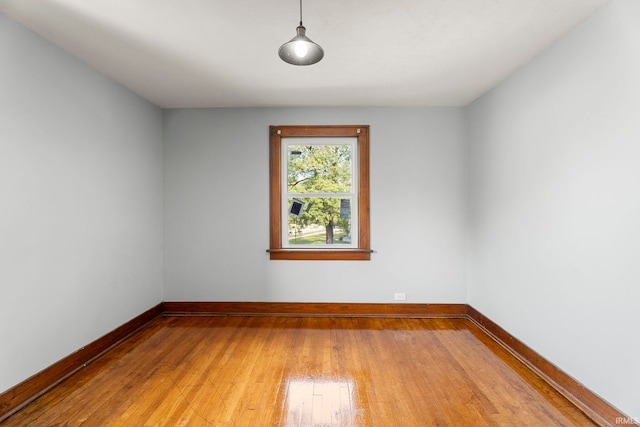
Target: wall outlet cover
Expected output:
[400,296]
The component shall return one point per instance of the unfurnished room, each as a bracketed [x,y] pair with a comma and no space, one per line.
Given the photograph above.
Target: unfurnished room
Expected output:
[319,213]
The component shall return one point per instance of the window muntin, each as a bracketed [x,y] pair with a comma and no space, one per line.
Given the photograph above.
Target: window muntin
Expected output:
[351,239]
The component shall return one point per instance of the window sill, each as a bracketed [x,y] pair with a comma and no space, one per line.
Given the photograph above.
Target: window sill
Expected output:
[321,254]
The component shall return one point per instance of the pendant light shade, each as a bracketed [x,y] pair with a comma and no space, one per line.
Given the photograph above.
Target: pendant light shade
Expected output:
[300,50]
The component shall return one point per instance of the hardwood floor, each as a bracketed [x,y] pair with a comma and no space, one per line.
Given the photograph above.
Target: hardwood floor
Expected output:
[302,371]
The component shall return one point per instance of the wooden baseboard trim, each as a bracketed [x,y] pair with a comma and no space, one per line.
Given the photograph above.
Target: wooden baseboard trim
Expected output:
[314,309]
[22,394]
[591,404]
[599,410]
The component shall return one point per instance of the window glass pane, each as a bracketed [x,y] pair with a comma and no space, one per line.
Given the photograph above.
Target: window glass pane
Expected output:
[319,168]
[319,221]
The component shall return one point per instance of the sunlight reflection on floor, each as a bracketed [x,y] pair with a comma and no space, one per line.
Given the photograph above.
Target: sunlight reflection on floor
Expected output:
[321,402]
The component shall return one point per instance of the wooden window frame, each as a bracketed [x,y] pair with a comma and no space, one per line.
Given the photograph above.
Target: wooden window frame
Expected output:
[276,249]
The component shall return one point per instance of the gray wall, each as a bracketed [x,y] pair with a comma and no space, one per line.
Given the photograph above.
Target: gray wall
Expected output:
[551,209]
[555,204]
[80,204]
[217,222]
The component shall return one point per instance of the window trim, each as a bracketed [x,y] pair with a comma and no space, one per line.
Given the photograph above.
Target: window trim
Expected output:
[276,249]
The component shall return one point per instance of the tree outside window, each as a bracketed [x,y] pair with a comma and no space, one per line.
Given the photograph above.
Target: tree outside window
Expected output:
[319,187]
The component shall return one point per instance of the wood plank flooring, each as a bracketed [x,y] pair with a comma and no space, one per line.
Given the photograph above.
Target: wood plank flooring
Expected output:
[297,371]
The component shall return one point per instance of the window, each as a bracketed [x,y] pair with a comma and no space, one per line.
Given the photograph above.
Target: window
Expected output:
[319,192]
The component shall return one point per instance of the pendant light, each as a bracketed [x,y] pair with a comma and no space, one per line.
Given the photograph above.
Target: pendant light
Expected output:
[300,50]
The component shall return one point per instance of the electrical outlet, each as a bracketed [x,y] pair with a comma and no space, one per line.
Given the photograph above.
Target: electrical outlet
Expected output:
[400,296]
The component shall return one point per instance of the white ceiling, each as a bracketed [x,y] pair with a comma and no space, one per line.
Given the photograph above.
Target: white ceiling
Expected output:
[223,53]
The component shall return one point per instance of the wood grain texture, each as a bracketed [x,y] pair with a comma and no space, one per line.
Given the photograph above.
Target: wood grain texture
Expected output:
[18,396]
[364,208]
[304,371]
[588,402]
[339,131]
[320,254]
[592,404]
[275,177]
[315,309]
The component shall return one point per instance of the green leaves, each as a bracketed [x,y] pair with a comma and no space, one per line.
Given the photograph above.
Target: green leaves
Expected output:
[320,171]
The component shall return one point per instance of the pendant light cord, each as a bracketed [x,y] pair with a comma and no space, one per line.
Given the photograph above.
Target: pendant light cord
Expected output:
[301,13]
